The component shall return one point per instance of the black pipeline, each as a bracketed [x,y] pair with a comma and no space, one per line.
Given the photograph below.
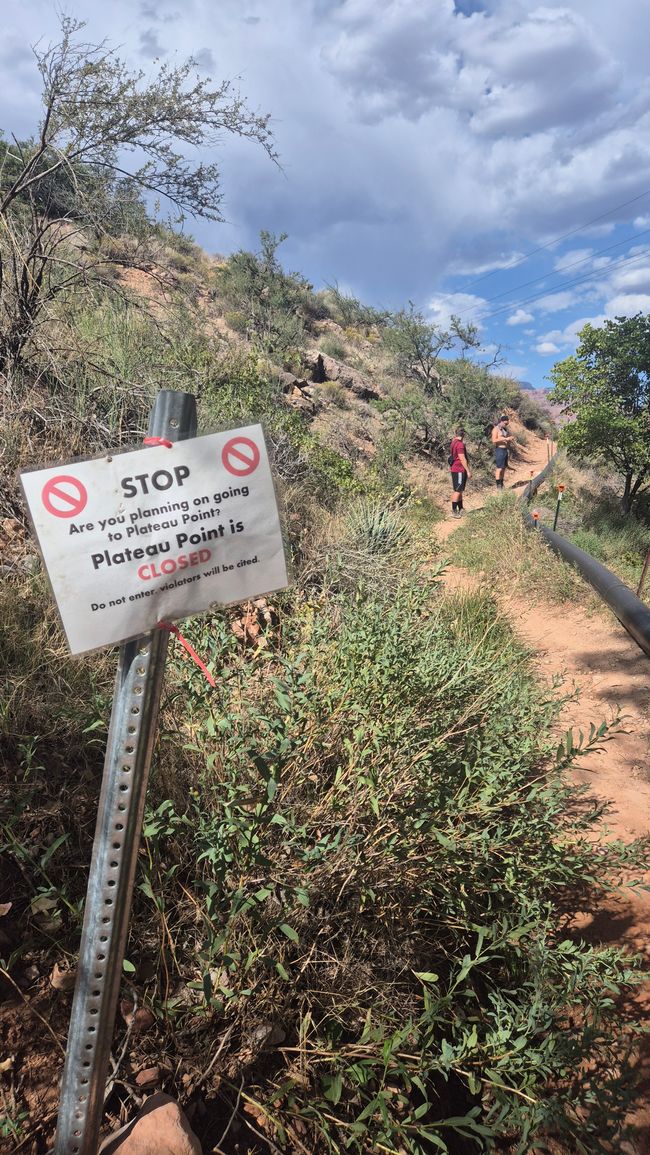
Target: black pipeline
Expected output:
[631,612]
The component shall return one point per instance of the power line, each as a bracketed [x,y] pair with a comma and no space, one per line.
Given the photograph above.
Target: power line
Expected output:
[572,265]
[551,243]
[560,288]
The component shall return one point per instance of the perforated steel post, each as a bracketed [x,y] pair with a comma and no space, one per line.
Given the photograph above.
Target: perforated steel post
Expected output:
[130,743]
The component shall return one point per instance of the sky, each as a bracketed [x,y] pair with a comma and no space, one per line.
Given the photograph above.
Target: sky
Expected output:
[488,158]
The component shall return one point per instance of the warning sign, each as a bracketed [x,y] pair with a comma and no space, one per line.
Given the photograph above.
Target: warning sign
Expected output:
[157,534]
[64,496]
[240,456]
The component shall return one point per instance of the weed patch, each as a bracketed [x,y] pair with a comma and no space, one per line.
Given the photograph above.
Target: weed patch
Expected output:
[356,851]
[496,542]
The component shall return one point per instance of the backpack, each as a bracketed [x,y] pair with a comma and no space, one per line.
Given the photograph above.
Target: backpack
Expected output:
[452,456]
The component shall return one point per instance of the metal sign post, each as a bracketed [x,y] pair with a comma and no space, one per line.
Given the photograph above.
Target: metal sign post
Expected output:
[117,837]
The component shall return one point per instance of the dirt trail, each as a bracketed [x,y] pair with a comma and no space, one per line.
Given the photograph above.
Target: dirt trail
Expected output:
[609,673]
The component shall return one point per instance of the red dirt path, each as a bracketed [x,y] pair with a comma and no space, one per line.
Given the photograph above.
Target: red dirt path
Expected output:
[609,672]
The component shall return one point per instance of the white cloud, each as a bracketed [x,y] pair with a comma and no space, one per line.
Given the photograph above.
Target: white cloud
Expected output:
[631,279]
[505,71]
[521,317]
[516,372]
[464,305]
[571,258]
[546,348]
[628,304]
[557,302]
[474,268]
[543,70]
[567,338]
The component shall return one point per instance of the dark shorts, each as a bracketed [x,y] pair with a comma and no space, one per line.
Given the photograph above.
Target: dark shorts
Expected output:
[500,457]
[458,481]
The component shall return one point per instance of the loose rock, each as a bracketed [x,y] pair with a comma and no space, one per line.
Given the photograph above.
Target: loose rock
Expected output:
[160,1128]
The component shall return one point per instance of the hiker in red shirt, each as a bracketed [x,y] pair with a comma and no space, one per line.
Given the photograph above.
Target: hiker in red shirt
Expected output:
[459,471]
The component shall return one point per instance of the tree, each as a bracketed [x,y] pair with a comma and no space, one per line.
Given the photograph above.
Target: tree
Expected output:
[605,386]
[268,303]
[474,397]
[65,189]
[416,344]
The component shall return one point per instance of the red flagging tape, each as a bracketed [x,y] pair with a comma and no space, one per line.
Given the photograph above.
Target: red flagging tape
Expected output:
[190,649]
[157,441]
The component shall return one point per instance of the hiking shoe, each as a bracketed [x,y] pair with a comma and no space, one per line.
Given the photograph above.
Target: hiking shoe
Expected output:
[455,513]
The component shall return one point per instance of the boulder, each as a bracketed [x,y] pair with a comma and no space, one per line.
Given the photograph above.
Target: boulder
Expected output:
[325,368]
[159,1128]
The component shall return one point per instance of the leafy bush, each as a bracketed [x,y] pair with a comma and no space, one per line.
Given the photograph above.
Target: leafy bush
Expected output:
[589,541]
[590,516]
[621,543]
[349,312]
[392,446]
[357,851]
[416,344]
[376,870]
[474,397]
[530,413]
[267,301]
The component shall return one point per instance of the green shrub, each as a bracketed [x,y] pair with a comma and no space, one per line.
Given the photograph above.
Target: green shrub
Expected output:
[349,312]
[333,347]
[590,516]
[589,541]
[269,301]
[530,413]
[621,543]
[335,393]
[375,527]
[474,397]
[357,852]
[391,449]
[237,320]
[496,537]
[376,846]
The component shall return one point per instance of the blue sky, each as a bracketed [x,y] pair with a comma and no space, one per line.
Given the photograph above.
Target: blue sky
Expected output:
[428,147]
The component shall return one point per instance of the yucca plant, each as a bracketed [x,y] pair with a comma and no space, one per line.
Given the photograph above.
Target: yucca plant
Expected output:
[375,528]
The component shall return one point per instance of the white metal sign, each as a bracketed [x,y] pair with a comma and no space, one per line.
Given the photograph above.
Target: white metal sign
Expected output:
[137,538]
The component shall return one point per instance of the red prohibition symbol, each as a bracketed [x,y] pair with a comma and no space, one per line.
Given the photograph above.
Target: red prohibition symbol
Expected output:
[240,456]
[64,496]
